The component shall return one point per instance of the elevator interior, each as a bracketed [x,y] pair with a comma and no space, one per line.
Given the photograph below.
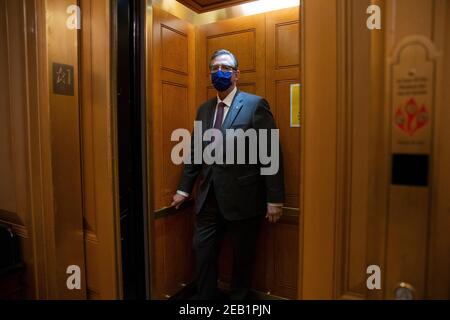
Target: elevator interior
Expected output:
[179,44]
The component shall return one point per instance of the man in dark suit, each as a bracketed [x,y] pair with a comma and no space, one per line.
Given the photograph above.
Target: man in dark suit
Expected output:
[231,197]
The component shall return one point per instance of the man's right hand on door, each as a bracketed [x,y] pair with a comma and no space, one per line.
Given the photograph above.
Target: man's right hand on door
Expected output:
[178,200]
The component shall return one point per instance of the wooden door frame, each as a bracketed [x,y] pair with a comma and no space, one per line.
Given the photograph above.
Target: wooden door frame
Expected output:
[323,145]
[48,267]
[46,272]
[326,146]
[54,163]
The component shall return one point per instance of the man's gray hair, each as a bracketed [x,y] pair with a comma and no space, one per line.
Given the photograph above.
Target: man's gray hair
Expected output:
[222,52]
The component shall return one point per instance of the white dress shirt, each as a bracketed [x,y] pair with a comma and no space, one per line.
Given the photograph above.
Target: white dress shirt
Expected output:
[227,101]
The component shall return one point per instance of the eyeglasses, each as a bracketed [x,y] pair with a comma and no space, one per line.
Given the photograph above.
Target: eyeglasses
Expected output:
[224,68]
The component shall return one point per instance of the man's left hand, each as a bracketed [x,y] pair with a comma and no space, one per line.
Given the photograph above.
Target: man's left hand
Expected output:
[274,213]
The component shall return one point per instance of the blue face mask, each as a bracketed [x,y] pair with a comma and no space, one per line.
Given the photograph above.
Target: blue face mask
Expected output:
[221,80]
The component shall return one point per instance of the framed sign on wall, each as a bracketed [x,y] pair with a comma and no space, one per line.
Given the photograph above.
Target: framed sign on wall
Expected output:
[295,105]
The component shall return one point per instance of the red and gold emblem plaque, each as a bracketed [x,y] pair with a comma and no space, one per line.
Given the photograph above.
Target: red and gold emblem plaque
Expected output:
[413,84]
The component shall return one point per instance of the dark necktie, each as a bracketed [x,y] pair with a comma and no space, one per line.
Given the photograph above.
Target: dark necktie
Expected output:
[219,116]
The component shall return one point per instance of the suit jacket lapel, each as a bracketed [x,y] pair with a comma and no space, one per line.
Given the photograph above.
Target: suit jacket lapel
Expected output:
[210,114]
[236,106]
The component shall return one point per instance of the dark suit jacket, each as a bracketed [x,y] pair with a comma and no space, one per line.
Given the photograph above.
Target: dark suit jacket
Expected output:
[241,191]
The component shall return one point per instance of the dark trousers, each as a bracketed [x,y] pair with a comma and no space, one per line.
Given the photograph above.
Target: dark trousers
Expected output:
[209,232]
